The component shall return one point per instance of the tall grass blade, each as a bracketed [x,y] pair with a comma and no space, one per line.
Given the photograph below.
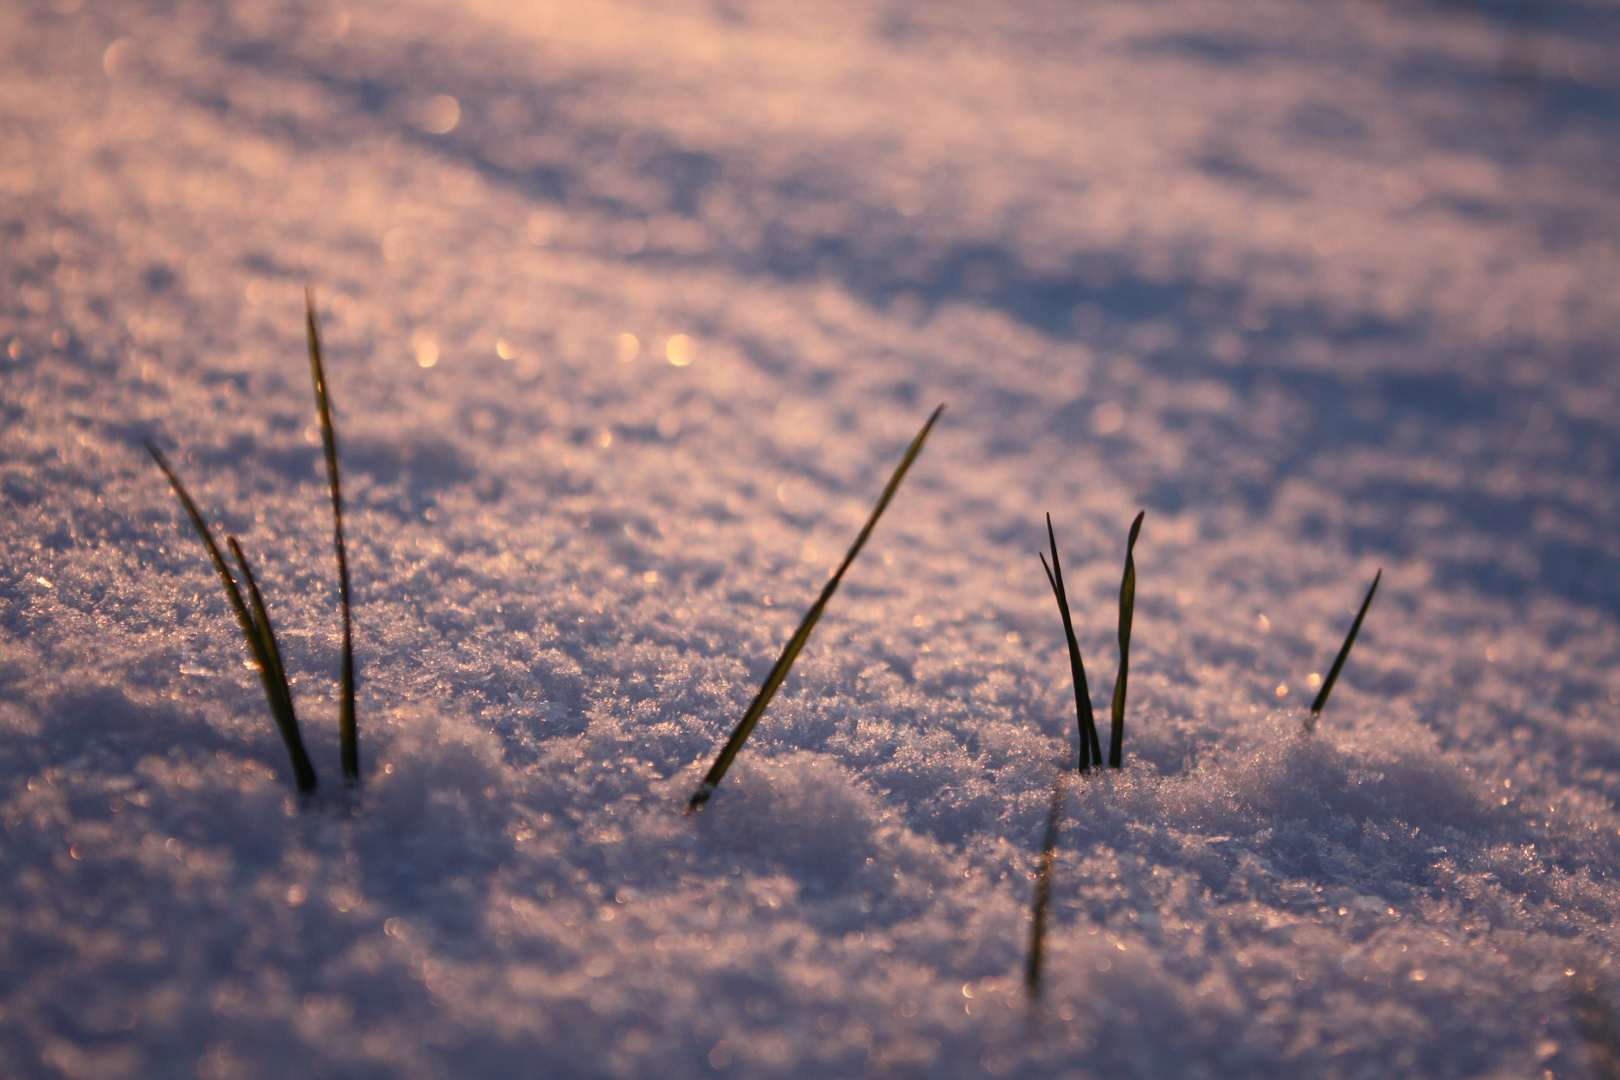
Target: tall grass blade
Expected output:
[1090,752]
[796,644]
[260,639]
[1127,609]
[1043,890]
[348,729]
[1338,664]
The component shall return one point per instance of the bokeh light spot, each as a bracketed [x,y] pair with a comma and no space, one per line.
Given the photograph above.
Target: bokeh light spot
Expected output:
[119,58]
[440,115]
[426,351]
[678,350]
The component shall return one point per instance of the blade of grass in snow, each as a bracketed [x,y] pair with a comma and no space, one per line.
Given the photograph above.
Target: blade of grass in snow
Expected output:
[260,643]
[348,729]
[1127,608]
[1338,663]
[265,632]
[1043,890]
[1090,749]
[768,689]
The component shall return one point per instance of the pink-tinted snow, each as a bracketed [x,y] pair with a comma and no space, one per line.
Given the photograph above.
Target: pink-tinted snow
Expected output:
[630,307]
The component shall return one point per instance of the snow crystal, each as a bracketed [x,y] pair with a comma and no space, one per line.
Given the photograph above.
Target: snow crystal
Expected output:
[629,311]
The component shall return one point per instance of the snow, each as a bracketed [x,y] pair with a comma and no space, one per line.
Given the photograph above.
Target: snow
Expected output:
[630,308]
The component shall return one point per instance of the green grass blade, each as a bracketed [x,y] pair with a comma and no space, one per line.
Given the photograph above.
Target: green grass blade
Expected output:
[281,706]
[232,593]
[796,644]
[250,630]
[1043,891]
[281,696]
[1090,752]
[1127,609]
[1344,653]
[348,729]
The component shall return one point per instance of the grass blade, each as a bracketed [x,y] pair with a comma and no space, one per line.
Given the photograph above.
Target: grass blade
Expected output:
[262,630]
[796,644]
[1090,749]
[1043,890]
[275,686]
[1127,609]
[281,706]
[1338,664]
[348,729]
[232,593]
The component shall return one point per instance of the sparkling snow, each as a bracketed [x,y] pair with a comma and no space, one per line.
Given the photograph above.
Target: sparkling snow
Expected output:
[630,307]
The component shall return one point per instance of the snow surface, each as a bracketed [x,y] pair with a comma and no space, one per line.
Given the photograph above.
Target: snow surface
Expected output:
[1324,287]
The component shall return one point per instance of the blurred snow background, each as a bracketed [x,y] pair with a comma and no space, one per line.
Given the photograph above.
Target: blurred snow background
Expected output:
[630,308]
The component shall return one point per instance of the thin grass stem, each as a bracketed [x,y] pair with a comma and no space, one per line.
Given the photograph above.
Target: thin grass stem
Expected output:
[260,642]
[261,627]
[1127,609]
[1090,751]
[1043,890]
[348,727]
[282,707]
[779,672]
[1344,653]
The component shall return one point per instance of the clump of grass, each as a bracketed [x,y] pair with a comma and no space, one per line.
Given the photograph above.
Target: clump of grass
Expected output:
[795,645]
[348,729]
[1090,752]
[251,613]
[256,628]
[1344,653]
